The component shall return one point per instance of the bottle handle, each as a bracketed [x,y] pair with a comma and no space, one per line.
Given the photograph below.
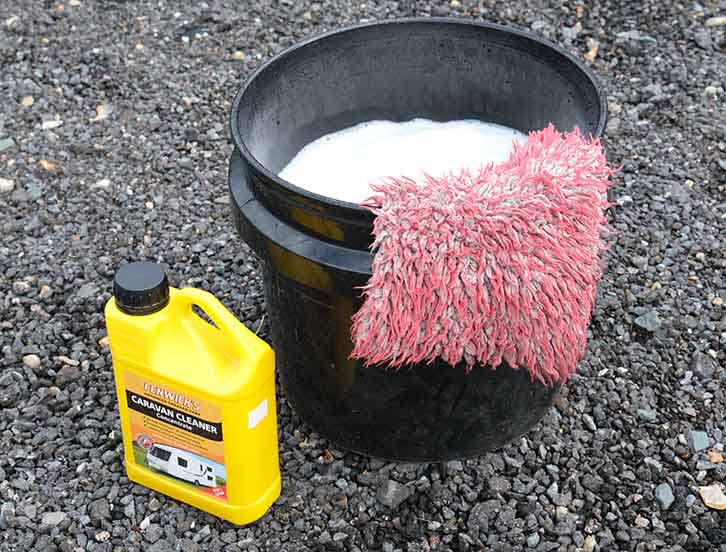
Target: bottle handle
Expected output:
[225,321]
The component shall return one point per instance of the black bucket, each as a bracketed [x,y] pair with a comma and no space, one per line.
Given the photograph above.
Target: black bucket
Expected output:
[315,249]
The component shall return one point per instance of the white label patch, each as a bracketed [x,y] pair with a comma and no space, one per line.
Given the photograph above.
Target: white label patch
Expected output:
[257,414]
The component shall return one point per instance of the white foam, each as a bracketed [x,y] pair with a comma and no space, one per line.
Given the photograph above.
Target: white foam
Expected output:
[342,165]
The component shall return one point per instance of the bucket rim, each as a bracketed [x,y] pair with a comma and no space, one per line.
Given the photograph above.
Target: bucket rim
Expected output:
[259,167]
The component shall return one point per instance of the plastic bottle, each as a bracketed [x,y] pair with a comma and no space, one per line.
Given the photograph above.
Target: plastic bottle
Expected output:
[197,402]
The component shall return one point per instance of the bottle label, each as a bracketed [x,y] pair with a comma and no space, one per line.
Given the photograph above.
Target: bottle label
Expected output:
[177,435]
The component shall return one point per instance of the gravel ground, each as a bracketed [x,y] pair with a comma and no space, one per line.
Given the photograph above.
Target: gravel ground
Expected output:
[114,146]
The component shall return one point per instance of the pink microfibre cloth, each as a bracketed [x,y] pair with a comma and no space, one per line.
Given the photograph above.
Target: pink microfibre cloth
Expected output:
[496,266]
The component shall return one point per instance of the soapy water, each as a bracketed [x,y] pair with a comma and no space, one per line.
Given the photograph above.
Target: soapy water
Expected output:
[342,165]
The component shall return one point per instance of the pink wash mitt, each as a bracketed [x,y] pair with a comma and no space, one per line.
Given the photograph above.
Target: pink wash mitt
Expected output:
[489,267]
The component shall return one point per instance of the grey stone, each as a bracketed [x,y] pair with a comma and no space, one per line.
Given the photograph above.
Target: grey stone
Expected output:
[6,144]
[392,494]
[636,36]
[664,495]
[698,440]
[513,461]
[53,518]
[712,91]
[479,515]
[553,491]
[203,533]
[569,33]
[589,422]
[32,361]
[164,545]
[649,321]
[533,540]
[29,88]
[590,543]
[108,457]
[703,365]
[87,291]
[612,128]
[153,532]
[34,189]
[99,510]
[647,415]
[653,463]
[703,39]
[7,185]
[130,510]
[592,482]
[7,514]
[187,545]
[67,374]
[639,262]
[228,536]
[500,484]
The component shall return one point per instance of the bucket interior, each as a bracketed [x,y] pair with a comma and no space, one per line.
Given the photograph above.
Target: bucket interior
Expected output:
[401,70]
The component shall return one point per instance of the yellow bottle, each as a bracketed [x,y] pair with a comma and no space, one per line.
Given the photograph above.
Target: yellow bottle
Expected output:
[197,402]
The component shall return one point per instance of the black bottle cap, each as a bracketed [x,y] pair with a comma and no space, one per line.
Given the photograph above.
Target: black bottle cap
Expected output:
[141,288]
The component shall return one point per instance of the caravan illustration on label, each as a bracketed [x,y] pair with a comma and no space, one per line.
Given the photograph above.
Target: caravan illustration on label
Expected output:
[181,464]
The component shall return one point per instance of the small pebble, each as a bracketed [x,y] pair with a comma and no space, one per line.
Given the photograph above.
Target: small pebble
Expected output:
[589,422]
[153,533]
[6,144]
[647,415]
[714,457]
[590,544]
[640,521]
[649,321]
[103,183]
[32,361]
[145,523]
[698,440]
[664,495]
[392,494]
[6,185]
[712,91]
[713,496]
[52,519]
[50,124]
